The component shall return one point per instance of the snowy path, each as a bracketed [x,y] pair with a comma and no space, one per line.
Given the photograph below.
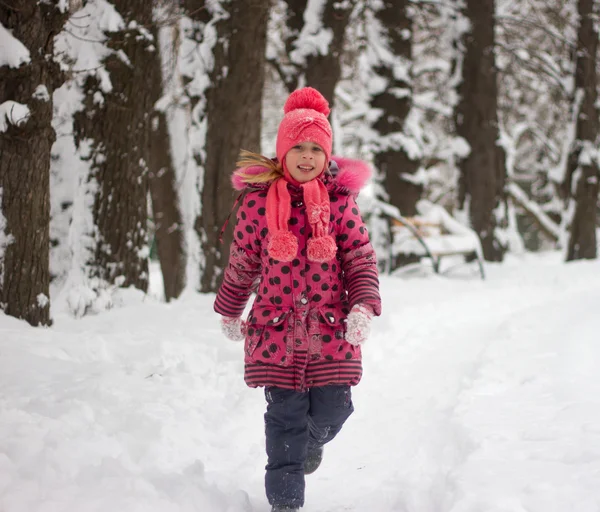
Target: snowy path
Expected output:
[433,435]
[477,397]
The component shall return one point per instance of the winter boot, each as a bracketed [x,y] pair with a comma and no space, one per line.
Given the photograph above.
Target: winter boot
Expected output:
[285,508]
[313,459]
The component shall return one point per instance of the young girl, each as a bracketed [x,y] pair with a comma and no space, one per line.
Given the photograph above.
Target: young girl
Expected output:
[301,246]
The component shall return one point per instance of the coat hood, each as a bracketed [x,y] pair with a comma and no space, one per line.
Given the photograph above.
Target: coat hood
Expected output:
[345,175]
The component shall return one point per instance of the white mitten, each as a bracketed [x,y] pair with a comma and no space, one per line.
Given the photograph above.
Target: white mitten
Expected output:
[358,324]
[234,328]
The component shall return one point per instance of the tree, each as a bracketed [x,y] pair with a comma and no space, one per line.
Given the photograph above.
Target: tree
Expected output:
[394,126]
[116,124]
[232,117]
[396,145]
[534,44]
[483,169]
[28,77]
[169,231]
[583,167]
[313,45]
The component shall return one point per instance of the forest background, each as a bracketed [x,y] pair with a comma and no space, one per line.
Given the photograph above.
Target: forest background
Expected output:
[121,122]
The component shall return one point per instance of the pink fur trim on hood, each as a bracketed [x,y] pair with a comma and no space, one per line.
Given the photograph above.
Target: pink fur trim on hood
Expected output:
[352,175]
[237,181]
[349,177]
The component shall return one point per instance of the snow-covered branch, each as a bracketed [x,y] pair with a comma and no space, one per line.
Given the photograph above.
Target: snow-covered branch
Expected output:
[533,209]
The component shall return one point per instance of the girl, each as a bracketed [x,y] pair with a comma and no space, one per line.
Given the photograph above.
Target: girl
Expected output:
[301,246]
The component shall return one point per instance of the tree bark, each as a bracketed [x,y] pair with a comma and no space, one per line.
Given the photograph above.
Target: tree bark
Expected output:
[165,210]
[169,231]
[584,165]
[25,162]
[234,122]
[483,171]
[116,123]
[395,164]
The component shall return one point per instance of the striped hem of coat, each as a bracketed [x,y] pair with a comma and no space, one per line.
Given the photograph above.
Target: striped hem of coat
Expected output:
[346,372]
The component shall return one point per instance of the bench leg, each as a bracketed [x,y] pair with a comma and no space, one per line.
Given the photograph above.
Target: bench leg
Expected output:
[480,263]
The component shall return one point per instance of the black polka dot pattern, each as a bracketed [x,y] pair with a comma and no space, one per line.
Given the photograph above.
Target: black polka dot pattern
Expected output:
[289,287]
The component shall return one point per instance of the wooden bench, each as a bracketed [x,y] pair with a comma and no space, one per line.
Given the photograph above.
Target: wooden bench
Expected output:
[433,234]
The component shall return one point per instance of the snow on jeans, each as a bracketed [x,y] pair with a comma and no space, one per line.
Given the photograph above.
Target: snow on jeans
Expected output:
[293,422]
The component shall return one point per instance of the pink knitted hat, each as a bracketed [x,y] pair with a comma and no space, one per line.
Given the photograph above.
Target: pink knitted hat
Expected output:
[305,120]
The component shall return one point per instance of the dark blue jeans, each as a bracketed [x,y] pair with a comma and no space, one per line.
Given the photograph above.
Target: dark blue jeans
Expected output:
[295,421]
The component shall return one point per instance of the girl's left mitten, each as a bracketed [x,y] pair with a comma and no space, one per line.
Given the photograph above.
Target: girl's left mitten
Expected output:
[234,328]
[358,324]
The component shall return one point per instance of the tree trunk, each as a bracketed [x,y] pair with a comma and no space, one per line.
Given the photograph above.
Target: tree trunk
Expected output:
[584,169]
[234,122]
[396,164]
[25,162]
[165,210]
[319,71]
[116,123]
[483,172]
[169,230]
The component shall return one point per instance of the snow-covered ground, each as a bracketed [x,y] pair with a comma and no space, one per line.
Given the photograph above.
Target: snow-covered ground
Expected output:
[477,397]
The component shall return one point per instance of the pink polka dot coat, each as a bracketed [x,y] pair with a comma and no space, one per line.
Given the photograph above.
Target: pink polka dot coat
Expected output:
[296,327]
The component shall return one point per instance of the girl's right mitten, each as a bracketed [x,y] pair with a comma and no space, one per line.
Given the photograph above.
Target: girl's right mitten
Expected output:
[234,328]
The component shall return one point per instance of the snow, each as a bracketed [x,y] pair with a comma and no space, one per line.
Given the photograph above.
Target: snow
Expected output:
[41,93]
[81,49]
[508,140]
[66,171]
[12,112]
[13,52]
[5,239]
[477,396]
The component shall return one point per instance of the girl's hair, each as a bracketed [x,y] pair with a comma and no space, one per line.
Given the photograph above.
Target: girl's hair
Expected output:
[272,169]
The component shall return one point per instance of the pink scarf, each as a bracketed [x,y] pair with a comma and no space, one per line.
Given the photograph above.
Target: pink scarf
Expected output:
[283,245]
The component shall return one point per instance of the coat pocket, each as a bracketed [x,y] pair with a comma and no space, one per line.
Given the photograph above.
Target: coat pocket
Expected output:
[332,329]
[268,340]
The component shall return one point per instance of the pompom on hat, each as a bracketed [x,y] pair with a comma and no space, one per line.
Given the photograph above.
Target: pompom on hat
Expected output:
[305,120]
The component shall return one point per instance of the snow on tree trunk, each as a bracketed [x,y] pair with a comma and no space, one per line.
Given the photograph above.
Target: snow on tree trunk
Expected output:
[169,230]
[394,140]
[115,124]
[509,139]
[314,36]
[233,122]
[187,121]
[483,173]
[396,149]
[583,170]
[28,77]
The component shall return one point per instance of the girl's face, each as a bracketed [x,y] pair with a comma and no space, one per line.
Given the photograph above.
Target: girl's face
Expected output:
[305,161]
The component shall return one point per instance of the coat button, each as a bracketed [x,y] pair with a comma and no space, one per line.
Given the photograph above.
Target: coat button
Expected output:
[276,319]
[304,300]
